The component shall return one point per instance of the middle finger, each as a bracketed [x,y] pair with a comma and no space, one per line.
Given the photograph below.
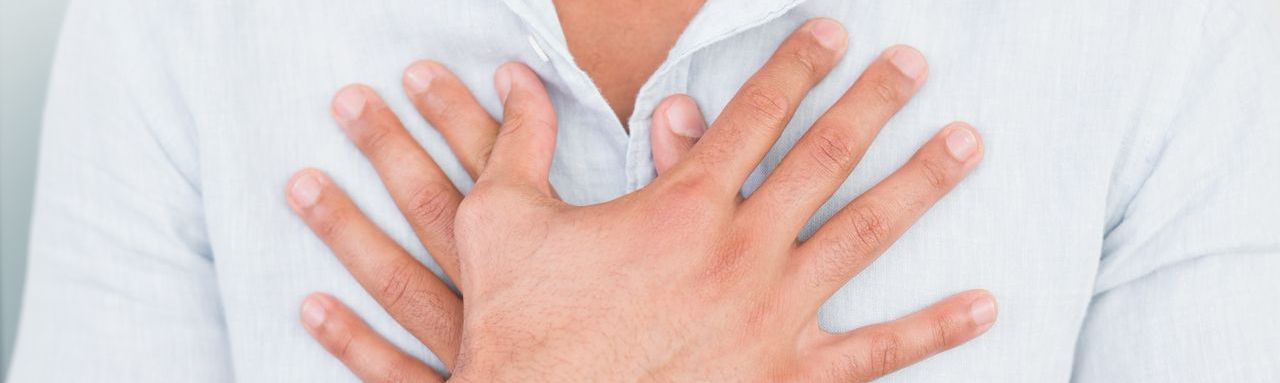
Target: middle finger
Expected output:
[425,196]
[822,159]
[755,117]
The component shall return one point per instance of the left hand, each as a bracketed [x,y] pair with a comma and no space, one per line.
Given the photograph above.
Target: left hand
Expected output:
[418,300]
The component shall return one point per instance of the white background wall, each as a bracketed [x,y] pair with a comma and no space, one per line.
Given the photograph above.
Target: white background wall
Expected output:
[28,34]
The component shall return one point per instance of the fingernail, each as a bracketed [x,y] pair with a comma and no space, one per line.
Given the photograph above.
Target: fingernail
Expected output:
[961,143]
[828,33]
[983,311]
[313,312]
[349,104]
[684,119]
[306,189]
[418,78]
[502,81]
[909,61]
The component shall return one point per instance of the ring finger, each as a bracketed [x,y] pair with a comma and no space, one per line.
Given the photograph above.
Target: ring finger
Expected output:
[419,301]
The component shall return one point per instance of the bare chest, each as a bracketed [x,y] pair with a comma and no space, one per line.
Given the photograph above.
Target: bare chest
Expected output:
[620,43]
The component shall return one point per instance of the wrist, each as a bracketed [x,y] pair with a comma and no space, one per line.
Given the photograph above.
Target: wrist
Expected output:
[505,373]
[559,352]
[512,362]
[535,364]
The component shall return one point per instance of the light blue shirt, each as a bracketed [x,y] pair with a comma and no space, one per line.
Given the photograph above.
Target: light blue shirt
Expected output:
[1126,215]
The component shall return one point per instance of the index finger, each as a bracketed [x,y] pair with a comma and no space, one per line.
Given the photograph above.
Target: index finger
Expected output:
[445,102]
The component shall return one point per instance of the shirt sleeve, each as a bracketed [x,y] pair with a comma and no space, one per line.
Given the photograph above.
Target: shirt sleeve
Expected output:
[120,280]
[1188,288]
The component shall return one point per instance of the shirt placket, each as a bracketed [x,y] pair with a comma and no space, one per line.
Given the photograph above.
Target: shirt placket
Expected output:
[716,21]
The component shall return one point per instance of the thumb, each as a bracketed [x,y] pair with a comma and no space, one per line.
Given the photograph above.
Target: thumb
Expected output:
[677,125]
[526,140]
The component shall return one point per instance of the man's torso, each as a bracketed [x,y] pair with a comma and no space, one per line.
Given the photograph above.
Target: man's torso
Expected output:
[1040,80]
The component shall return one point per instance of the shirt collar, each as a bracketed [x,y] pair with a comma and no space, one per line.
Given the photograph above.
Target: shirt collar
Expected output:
[720,19]
[717,20]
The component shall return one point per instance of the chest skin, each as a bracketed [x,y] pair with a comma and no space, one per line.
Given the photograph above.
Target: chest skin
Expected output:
[619,43]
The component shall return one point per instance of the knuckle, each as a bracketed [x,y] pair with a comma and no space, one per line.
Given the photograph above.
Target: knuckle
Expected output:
[886,92]
[685,202]
[806,60]
[520,120]
[375,138]
[421,310]
[833,152]
[886,353]
[692,188]
[332,223]
[870,227]
[726,264]
[844,254]
[512,123]
[469,215]
[429,315]
[848,367]
[761,314]
[474,210]
[767,103]
[340,339]
[941,333]
[432,206]
[935,173]
[443,108]
[394,284]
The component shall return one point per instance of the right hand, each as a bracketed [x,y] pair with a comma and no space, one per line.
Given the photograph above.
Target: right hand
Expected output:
[682,280]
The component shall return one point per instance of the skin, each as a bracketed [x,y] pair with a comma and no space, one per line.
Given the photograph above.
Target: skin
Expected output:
[621,43]
[682,280]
